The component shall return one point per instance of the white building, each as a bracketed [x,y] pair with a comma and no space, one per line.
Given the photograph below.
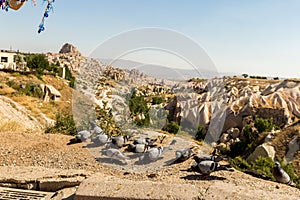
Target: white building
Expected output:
[7,60]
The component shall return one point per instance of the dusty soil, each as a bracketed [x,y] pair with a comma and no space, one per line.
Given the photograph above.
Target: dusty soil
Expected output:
[53,151]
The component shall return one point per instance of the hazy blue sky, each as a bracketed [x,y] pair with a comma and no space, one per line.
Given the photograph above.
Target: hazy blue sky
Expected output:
[259,37]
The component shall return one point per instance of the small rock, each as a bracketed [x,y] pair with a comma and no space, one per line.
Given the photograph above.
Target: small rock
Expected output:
[224,138]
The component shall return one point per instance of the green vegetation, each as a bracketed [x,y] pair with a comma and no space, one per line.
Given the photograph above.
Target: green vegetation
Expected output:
[263,125]
[264,166]
[64,124]
[28,89]
[245,75]
[172,127]
[69,77]
[251,136]
[38,63]
[199,134]
[138,106]
[106,120]
[157,100]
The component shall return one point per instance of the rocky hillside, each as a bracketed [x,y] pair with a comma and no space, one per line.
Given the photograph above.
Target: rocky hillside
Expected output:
[225,112]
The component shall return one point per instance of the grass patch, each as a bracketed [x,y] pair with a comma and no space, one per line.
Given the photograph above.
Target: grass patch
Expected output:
[11,126]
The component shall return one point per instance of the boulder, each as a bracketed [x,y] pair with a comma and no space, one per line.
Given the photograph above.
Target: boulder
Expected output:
[293,147]
[224,138]
[234,132]
[263,150]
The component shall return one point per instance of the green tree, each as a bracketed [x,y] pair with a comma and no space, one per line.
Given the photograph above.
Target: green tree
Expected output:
[138,105]
[245,75]
[37,62]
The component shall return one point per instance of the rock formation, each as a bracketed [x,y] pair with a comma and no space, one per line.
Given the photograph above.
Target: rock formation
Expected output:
[69,49]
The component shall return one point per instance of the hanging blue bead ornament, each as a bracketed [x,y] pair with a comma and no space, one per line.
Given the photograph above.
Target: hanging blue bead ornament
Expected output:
[17,4]
[48,9]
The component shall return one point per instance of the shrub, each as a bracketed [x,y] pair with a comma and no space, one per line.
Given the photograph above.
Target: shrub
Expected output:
[138,105]
[264,165]
[157,100]
[237,149]
[263,125]
[33,90]
[64,124]
[172,127]
[249,134]
[199,134]
[239,163]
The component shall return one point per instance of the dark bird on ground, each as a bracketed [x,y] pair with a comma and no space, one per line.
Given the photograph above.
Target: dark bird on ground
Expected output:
[281,176]
[147,141]
[119,141]
[83,135]
[214,158]
[208,166]
[137,148]
[183,155]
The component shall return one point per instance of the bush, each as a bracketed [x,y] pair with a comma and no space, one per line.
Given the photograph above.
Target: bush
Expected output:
[157,100]
[33,90]
[199,134]
[249,134]
[237,149]
[138,105]
[239,163]
[29,89]
[264,165]
[172,127]
[64,124]
[263,125]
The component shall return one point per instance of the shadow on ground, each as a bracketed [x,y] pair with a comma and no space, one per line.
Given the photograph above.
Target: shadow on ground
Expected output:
[202,177]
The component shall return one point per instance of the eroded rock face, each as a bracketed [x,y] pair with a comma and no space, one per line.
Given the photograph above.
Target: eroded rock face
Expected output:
[293,147]
[69,48]
[236,101]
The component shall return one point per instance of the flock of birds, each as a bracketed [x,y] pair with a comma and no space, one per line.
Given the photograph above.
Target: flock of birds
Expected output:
[148,151]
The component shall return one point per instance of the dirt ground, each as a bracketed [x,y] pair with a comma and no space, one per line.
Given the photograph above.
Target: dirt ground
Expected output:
[53,151]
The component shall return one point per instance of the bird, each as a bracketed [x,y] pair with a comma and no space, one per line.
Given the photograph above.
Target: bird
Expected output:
[152,154]
[214,158]
[119,141]
[115,154]
[96,129]
[147,141]
[100,139]
[208,166]
[183,155]
[137,148]
[83,135]
[281,176]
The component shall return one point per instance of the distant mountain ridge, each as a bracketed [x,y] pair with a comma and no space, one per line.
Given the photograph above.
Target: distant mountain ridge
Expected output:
[160,71]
